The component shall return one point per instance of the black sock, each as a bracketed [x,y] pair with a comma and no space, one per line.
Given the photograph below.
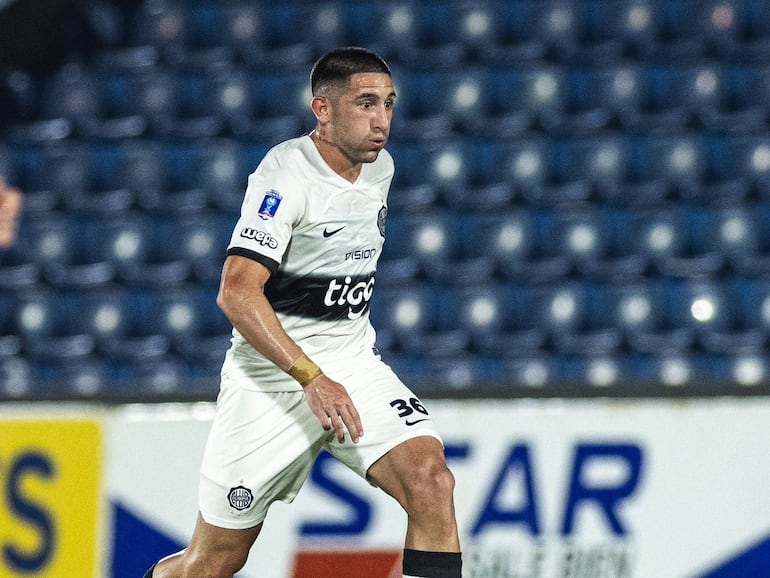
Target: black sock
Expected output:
[149,572]
[432,564]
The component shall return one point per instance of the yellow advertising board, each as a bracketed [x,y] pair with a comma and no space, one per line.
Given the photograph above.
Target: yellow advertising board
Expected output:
[50,496]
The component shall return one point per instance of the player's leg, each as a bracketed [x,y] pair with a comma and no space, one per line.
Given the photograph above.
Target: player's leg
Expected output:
[415,473]
[213,552]
[401,452]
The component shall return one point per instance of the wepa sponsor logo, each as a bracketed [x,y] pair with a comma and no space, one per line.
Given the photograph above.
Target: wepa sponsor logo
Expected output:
[265,239]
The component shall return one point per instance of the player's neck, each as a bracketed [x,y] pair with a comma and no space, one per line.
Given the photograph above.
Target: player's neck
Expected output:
[335,158]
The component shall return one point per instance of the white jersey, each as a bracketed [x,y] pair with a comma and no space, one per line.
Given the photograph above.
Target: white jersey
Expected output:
[321,237]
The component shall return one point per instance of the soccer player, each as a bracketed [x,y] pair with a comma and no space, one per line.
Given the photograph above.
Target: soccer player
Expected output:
[10,209]
[303,372]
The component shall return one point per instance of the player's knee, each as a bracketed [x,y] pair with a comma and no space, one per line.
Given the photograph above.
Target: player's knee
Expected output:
[221,565]
[432,486]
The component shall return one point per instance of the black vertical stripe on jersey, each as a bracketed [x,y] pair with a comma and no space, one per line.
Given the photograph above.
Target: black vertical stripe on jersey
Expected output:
[304,296]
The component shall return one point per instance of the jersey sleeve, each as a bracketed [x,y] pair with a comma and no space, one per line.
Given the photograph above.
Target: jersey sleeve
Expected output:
[272,206]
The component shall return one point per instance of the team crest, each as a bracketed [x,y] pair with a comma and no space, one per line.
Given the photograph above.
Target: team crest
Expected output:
[269,205]
[381,220]
[240,498]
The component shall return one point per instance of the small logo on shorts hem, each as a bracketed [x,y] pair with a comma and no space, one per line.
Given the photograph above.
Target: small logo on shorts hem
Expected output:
[240,498]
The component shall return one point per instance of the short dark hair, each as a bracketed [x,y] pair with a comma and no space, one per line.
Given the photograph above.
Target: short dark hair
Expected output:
[337,66]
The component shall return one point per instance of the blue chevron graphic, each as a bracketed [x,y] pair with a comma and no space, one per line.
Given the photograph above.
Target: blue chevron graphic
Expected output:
[751,563]
[136,544]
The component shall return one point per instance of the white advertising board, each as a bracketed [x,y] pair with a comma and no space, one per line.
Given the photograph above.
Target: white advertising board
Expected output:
[574,489]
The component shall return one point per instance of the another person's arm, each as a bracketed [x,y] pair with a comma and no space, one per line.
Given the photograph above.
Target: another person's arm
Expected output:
[241,297]
[10,208]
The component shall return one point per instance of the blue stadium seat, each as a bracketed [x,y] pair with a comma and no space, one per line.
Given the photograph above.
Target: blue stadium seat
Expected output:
[194,325]
[676,35]
[674,97]
[596,240]
[675,242]
[755,36]
[583,110]
[154,94]
[67,251]
[539,169]
[16,377]
[721,24]
[51,327]
[73,93]
[220,167]
[745,237]
[499,318]
[136,332]
[613,29]
[524,244]
[429,238]
[646,315]
[146,251]
[164,25]
[406,320]
[601,162]
[724,320]
[744,99]
[10,342]
[666,167]
[578,320]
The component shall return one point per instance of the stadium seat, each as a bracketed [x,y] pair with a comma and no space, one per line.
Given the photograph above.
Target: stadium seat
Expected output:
[67,252]
[724,320]
[578,320]
[50,327]
[406,320]
[674,96]
[676,34]
[596,240]
[164,25]
[538,169]
[601,162]
[675,242]
[16,378]
[72,93]
[10,342]
[523,243]
[665,167]
[755,35]
[647,318]
[745,235]
[428,238]
[721,24]
[614,29]
[743,101]
[136,332]
[583,110]
[500,319]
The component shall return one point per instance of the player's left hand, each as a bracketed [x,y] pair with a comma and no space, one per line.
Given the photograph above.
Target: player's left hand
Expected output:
[333,407]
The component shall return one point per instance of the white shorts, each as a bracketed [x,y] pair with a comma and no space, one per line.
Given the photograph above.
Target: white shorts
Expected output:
[262,446]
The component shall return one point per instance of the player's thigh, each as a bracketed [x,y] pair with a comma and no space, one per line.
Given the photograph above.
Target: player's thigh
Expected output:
[391,415]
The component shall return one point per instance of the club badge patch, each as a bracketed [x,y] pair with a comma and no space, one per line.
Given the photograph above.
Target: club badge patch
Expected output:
[381,216]
[269,205]
[240,498]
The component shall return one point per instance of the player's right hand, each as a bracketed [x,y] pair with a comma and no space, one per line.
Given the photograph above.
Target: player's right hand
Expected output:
[333,407]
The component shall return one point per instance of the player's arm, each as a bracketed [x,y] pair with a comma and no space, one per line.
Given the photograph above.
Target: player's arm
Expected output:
[10,208]
[241,297]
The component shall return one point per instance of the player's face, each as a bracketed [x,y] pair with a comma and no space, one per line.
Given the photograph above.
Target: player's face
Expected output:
[360,116]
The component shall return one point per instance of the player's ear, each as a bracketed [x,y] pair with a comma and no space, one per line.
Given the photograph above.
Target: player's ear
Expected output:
[320,106]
